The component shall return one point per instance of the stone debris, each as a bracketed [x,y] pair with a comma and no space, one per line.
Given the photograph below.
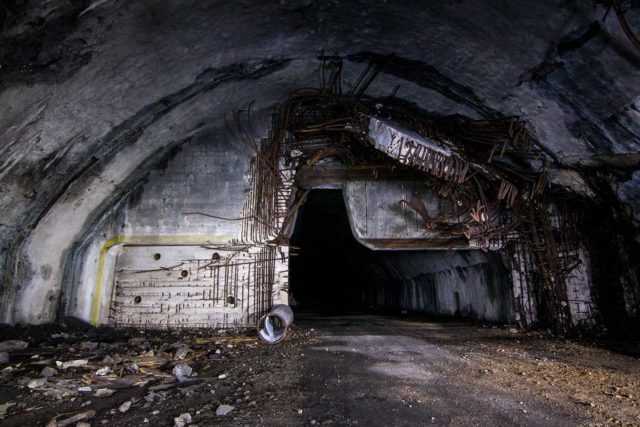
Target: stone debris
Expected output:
[103,371]
[89,345]
[4,408]
[37,383]
[75,419]
[13,345]
[182,372]
[224,410]
[48,372]
[181,353]
[101,392]
[78,363]
[114,372]
[182,420]
[125,406]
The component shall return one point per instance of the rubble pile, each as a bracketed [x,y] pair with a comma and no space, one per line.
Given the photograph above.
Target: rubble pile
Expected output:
[98,376]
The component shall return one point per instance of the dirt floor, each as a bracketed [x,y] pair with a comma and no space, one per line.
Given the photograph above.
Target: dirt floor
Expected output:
[349,370]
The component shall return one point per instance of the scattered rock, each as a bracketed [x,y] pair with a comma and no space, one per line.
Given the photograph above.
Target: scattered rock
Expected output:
[103,371]
[78,363]
[181,353]
[513,331]
[125,406]
[182,420]
[102,392]
[71,420]
[13,345]
[37,383]
[222,376]
[182,372]
[4,408]
[224,410]
[48,372]
[89,345]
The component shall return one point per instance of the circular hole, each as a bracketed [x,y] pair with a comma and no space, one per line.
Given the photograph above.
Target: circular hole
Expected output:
[231,300]
[156,257]
[184,273]
[215,256]
[137,299]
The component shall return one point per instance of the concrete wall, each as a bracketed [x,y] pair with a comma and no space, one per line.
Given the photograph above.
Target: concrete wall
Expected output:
[86,112]
[161,231]
[470,284]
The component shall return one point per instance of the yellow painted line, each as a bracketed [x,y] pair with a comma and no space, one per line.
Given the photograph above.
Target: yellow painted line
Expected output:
[140,240]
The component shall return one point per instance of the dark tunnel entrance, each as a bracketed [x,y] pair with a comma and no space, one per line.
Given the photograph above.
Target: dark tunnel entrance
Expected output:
[330,272]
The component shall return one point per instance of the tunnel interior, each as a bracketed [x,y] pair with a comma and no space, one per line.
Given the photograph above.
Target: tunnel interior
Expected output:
[330,272]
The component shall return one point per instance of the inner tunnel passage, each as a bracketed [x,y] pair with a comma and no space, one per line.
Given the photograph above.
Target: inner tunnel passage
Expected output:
[333,273]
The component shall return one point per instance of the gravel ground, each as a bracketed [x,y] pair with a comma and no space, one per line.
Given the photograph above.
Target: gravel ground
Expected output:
[346,370]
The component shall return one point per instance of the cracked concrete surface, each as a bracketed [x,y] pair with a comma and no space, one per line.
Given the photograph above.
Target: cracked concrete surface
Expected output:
[109,77]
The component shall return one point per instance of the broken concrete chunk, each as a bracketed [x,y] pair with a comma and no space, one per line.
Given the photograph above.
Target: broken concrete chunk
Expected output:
[84,389]
[102,392]
[89,345]
[4,408]
[182,372]
[103,371]
[181,353]
[48,372]
[125,406]
[78,363]
[182,420]
[13,345]
[224,410]
[72,420]
[61,335]
[37,383]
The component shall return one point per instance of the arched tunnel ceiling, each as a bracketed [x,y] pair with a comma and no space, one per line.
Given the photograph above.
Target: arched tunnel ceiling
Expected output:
[93,93]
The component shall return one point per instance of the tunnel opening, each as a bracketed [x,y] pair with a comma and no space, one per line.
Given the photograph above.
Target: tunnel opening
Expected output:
[332,273]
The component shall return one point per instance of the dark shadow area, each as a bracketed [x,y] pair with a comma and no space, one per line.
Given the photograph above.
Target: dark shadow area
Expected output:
[330,272]
[329,267]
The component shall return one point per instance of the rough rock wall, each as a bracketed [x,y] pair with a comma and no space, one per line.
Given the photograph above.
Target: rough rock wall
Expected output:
[93,93]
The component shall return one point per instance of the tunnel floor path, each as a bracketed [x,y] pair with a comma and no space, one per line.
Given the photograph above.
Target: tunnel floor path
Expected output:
[373,370]
[359,369]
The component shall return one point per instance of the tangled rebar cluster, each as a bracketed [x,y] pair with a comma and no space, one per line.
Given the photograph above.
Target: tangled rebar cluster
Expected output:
[491,171]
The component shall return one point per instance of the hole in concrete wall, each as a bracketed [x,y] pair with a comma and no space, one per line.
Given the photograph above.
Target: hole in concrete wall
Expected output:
[331,272]
[231,300]
[137,299]
[157,257]
[215,256]
[184,273]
